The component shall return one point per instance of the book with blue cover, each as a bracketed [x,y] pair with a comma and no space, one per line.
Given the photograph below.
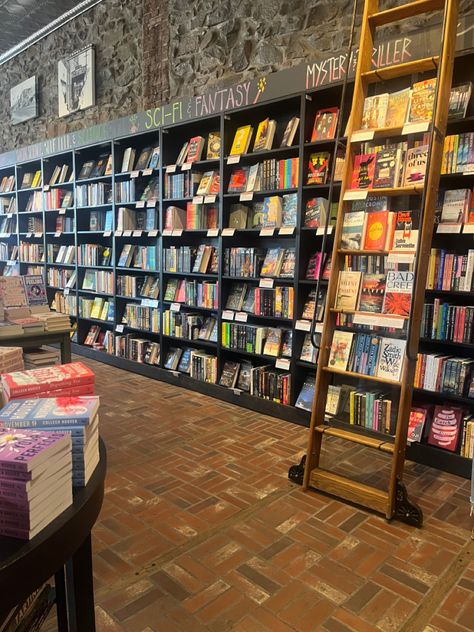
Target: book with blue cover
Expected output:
[50,412]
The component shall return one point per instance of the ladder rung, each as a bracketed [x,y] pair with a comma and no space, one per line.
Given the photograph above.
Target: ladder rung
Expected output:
[400,70]
[350,490]
[347,435]
[361,376]
[405,11]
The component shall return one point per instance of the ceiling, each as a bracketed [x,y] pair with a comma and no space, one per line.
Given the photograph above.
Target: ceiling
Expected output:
[19,19]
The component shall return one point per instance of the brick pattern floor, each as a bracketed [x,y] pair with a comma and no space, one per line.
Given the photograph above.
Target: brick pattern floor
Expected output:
[202,531]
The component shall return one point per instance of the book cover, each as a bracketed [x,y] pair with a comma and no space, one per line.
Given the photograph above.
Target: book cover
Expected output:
[398,292]
[375,111]
[154,158]
[243,380]
[455,206]
[253,180]
[24,449]
[213,146]
[185,361]
[318,168]
[290,209]
[290,131]
[314,265]
[333,399]
[273,342]
[272,262]
[272,211]
[459,101]
[376,230]
[325,124]
[397,109]
[352,230]
[340,349]
[316,212]
[205,183]
[238,180]
[363,171]
[415,165]
[264,136]
[390,359]
[57,411]
[53,377]
[372,293]
[445,428]
[406,230]
[143,159]
[308,352]
[306,395]
[416,424]
[287,270]
[241,140]
[422,101]
[195,147]
[182,154]
[387,169]
[348,288]
[35,289]
[238,216]
[229,374]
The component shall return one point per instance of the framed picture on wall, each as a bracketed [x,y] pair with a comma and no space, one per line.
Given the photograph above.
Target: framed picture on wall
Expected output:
[76,81]
[24,101]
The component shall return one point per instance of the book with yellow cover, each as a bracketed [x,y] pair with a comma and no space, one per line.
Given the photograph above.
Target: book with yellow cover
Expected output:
[348,289]
[340,349]
[241,140]
[397,109]
[265,133]
[213,145]
[422,101]
[36,179]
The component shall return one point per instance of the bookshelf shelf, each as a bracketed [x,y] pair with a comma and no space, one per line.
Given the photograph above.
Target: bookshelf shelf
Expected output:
[265,154]
[184,306]
[203,343]
[267,193]
[361,376]
[400,70]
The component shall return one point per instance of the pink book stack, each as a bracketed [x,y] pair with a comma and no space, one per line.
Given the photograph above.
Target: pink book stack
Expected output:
[35,480]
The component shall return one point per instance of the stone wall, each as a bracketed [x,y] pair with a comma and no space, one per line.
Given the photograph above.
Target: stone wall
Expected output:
[148,51]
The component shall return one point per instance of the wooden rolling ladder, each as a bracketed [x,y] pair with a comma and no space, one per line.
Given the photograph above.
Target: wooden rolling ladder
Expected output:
[393,502]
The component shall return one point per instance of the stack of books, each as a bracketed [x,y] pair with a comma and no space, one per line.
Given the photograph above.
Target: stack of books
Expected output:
[11,359]
[35,480]
[36,358]
[76,416]
[54,321]
[63,380]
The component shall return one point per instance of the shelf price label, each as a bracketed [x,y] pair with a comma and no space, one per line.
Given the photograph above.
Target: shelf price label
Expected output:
[134,174]
[140,204]
[170,168]
[355,195]
[119,328]
[233,160]
[228,314]
[186,166]
[286,230]
[66,291]
[152,233]
[38,235]
[198,199]
[149,302]
[228,232]
[118,233]
[175,307]
[303,325]
[246,197]
[237,391]
[379,320]
[57,234]
[151,203]
[415,128]
[468,229]
[107,233]
[268,283]
[167,232]
[283,363]
[267,232]
[448,228]
[320,230]
[147,172]
[46,187]
[213,232]
[127,233]
[9,215]
[241,317]
[177,232]
[11,262]
[62,211]
[137,233]
[361,135]
[209,199]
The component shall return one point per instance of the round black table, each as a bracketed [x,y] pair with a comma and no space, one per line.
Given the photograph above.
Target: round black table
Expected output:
[62,549]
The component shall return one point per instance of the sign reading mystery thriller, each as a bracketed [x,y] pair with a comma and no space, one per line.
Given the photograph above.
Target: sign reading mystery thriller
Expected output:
[306,77]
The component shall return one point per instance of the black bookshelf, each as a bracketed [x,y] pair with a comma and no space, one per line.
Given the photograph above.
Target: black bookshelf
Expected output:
[301,103]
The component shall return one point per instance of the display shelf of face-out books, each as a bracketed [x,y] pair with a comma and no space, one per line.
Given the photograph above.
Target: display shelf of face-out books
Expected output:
[197,253]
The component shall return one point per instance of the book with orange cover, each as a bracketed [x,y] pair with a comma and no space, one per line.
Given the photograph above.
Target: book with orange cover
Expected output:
[377,230]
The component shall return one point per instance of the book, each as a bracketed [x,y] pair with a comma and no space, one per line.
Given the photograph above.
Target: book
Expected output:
[352,230]
[387,168]
[195,149]
[35,290]
[363,172]
[25,450]
[398,292]
[290,131]
[422,101]
[243,380]
[265,134]
[374,112]
[185,361]
[416,424]
[154,159]
[325,124]
[348,287]
[397,109]
[229,375]
[290,209]
[272,212]
[378,230]
[213,145]
[459,101]
[49,412]
[272,263]
[306,395]
[406,231]
[390,358]
[309,353]
[205,183]
[253,180]
[273,341]
[445,427]
[86,170]
[22,383]
[128,159]
[372,293]
[340,349]
[318,168]
[238,216]
[241,141]
[143,159]
[316,212]
[238,180]
[172,359]
[182,154]
[415,165]
[455,207]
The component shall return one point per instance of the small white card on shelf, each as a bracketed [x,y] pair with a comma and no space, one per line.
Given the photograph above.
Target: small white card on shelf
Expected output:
[228,232]
[62,211]
[355,195]
[233,160]
[468,228]
[286,230]
[57,233]
[119,328]
[209,199]
[140,204]
[38,235]
[66,291]
[283,363]
[46,187]
[246,197]
[177,232]
[175,307]
[28,235]
[361,135]
[198,199]
[318,327]
[237,391]
[267,232]
[9,215]
[415,128]
[170,168]
[303,325]
[400,257]
[266,283]
[107,233]
[228,314]
[127,233]
[175,373]
[213,232]
[137,233]
[241,317]
[320,230]
[118,233]
[379,320]
[147,172]
[134,174]
[186,166]
[151,203]
[11,262]
[448,228]
[152,233]
[167,232]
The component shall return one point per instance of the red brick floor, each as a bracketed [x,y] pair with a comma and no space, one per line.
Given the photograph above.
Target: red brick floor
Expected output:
[202,531]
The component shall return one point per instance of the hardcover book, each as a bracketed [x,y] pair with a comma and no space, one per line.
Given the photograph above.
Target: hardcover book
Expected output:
[213,146]
[318,168]
[387,169]
[264,136]
[24,450]
[363,172]
[143,159]
[416,424]
[290,209]
[445,428]
[241,141]
[195,148]
[273,342]
[238,180]
[306,395]
[316,212]
[375,111]
[243,381]
[35,289]
[325,124]
[406,230]
[372,293]
[272,263]
[290,131]
[184,363]
[397,109]
[348,288]
[422,101]
[378,228]
[340,349]
[35,381]
[49,412]
[229,374]
[352,230]
[238,216]
[455,206]
[415,166]
[398,292]
[459,101]
[390,359]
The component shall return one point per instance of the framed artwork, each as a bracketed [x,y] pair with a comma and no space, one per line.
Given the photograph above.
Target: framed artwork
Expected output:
[76,81]
[24,101]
